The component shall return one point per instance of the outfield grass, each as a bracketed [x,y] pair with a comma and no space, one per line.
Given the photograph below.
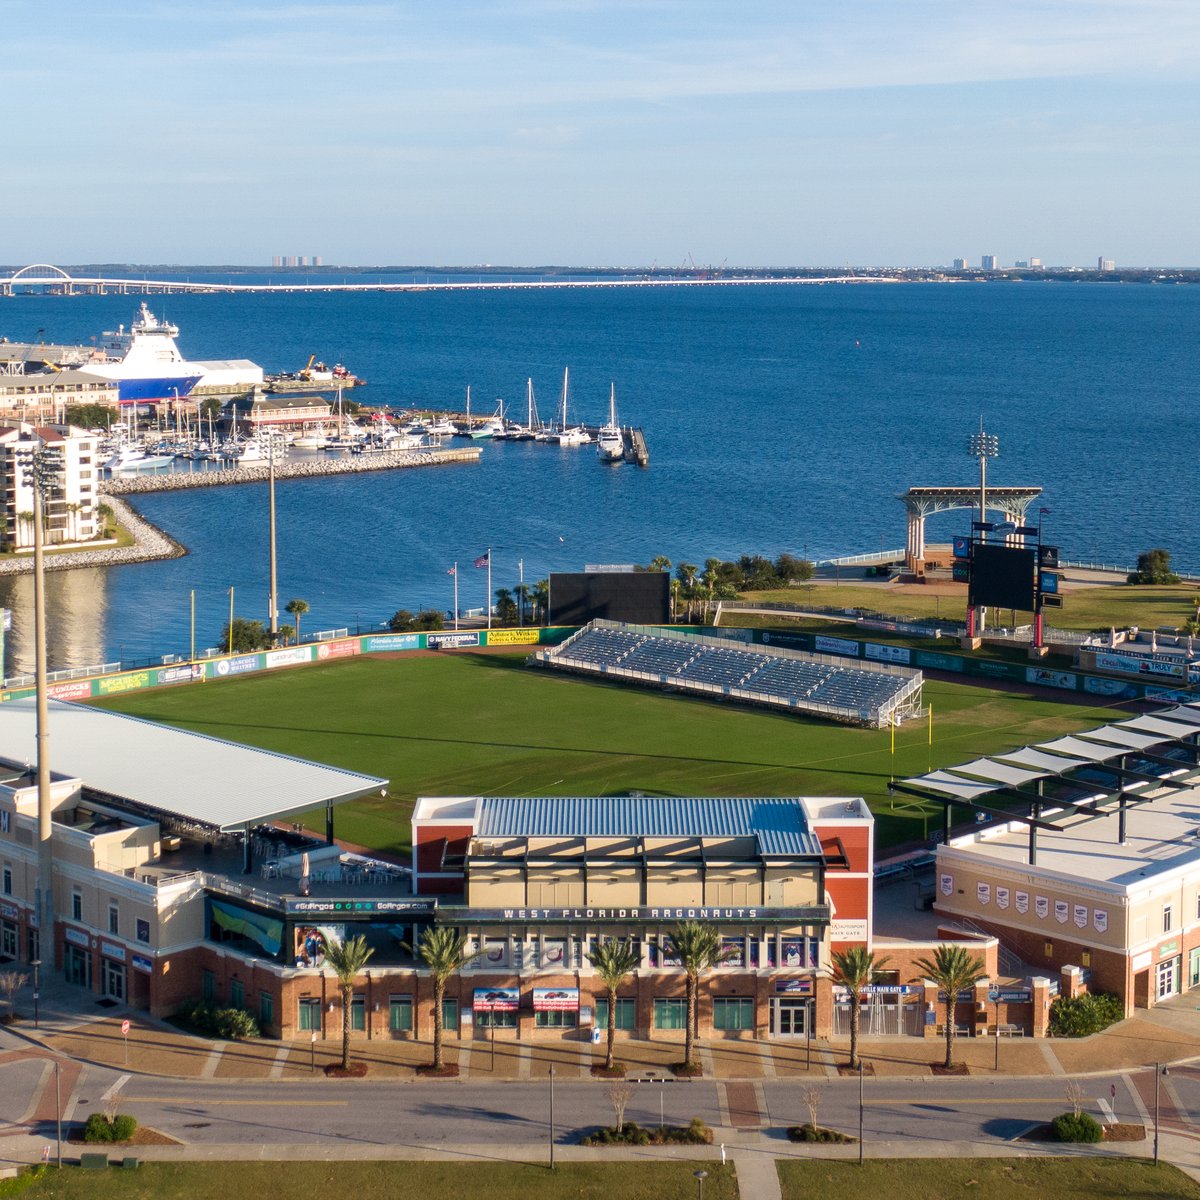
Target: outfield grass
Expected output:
[987,1179]
[387,1181]
[470,724]
[1119,605]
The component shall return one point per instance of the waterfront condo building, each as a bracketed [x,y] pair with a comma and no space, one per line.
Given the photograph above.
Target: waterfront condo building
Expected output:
[70,505]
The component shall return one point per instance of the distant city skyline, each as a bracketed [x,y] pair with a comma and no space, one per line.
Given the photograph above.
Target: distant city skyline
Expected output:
[590,132]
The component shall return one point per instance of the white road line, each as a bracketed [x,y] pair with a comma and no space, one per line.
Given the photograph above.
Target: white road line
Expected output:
[111,1094]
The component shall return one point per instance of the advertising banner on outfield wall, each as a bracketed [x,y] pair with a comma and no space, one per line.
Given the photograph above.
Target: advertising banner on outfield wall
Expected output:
[343,648]
[113,685]
[289,657]
[891,654]
[77,689]
[512,637]
[392,641]
[832,645]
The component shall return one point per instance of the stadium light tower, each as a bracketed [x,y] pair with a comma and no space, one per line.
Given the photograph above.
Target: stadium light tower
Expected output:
[983,446]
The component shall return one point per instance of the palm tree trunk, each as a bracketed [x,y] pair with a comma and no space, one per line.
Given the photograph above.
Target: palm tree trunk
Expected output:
[439,993]
[951,1000]
[853,1031]
[612,1027]
[345,1026]
[690,1034]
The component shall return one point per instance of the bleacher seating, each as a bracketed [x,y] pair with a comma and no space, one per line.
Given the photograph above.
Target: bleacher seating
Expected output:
[760,675]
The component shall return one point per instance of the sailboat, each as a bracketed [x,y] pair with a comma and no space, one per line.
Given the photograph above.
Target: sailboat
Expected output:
[570,436]
[610,444]
[533,423]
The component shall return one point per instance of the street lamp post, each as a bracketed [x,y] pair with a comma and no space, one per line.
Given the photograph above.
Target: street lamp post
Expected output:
[860,1112]
[983,446]
[701,1176]
[36,964]
[1159,1073]
[273,602]
[552,1118]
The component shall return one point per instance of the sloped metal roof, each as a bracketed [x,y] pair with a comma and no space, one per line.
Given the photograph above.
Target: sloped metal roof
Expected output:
[779,825]
[188,775]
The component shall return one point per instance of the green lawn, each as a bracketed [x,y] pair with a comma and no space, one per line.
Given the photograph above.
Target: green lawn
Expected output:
[387,1181]
[1121,605]
[467,724]
[987,1179]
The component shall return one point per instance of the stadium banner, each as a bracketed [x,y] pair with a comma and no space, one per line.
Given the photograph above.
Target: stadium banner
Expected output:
[996,670]
[1110,687]
[1127,664]
[342,648]
[393,641]
[891,654]
[184,673]
[938,662]
[1055,679]
[832,645]
[451,641]
[77,689]
[289,657]
[113,685]
[789,641]
[512,637]
[241,664]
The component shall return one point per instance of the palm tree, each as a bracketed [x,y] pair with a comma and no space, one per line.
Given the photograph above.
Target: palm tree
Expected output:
[521,591]
[286,633]
[347,959]
[296,608]
[613,959]
[444,952]
[541,601]
[857,968]
[686,573]
[697,945]
[954,970]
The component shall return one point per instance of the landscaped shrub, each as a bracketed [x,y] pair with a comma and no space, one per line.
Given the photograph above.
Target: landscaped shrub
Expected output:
[815,1133]
[696,1133]
[228,1024]
[1084,1015]
[99,1129]
[1077,1127]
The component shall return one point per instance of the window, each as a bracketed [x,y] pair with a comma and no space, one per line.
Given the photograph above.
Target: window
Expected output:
[7,879]
[358,1014]
[733,1012]
[486,1019]
[1166,928]
[8,939]
[143,930]
[210,987]
[237,994]
[554,1020]
[1194,968]
[266,1010]
[76,906]
[626,1013]
[670,1014]
[450,1015]
[400,1014]
[114,919]
[310,1015]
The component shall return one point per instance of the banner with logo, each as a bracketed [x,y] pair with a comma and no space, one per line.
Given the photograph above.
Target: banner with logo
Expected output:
[289,657]
[497,1000]
[1041,907]
[555,999]
[893,654]
[512,637]
[343,648]
[113,685]
[832,645]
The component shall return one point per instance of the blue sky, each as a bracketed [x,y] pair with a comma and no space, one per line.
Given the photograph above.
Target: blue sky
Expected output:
[607,132]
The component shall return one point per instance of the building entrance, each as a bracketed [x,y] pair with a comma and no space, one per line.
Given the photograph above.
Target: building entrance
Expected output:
[113,979]
[78,964]
[789,1017]
[1168,978]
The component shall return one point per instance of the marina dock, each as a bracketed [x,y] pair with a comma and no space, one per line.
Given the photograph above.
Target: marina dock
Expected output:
[170,481]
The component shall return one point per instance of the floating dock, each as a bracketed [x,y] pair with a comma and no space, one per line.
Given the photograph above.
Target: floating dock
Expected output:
[636,450]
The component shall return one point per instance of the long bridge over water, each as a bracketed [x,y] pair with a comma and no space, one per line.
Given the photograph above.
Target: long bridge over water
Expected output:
[48,279]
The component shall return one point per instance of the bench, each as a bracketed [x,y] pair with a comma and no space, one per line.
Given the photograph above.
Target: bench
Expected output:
[93,1162]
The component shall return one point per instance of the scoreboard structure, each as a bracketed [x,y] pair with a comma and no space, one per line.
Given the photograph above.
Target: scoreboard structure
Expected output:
[1010,569]
[636,597]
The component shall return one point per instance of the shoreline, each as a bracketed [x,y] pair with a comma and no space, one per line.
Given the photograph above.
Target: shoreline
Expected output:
[150,544]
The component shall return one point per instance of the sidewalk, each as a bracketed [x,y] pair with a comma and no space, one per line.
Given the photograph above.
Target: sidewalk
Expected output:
[72,1024]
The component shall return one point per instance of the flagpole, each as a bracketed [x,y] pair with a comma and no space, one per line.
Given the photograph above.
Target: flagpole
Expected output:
[456,596]
[521,592]
[489,594]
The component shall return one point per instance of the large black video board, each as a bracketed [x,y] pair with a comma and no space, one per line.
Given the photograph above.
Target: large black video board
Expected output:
[1004,577]
[639,597]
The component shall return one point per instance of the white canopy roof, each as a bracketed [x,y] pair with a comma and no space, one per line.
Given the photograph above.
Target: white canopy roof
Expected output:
[986,769]
[1088,751]
[188,775]
[1053,764]
[1189,714]
[1118,735]
[1172,729]
[955,785]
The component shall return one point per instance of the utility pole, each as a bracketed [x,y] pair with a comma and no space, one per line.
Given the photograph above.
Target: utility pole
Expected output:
[273,602]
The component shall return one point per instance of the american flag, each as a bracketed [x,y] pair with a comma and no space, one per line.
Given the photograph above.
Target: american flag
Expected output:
[484,559]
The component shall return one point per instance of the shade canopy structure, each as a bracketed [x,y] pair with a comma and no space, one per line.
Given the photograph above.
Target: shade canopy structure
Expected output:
[191,776]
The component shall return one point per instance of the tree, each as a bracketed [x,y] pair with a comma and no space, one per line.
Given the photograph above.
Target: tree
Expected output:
[697,945]
[444,951]
[613,959]
[506,607]
[541,601]
[954,971]
[286,633]
[429,618]
[619,1096]
[1154,566]
[793,570]
[247,636]
[296,608]
[401,621]
[346,959]
[210,406]
[857,968]
[521,592]
[88,416]
[11,982]
[686,574]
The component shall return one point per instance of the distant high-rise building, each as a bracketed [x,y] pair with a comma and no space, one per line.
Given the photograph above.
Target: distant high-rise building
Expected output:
[316,260]
[1105,264]
[277,260]
[960,264]
[1022,264]
[1035,264]
[988,262]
